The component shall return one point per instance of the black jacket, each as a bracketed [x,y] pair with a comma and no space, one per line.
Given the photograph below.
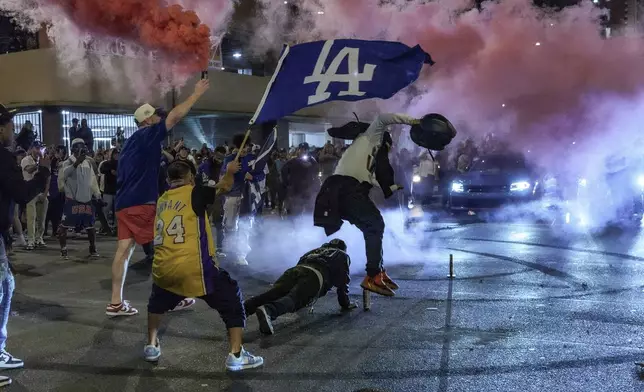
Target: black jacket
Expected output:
[384,171]
[109,181]
[326,213]
[300,177]
[13,188]
[333,264]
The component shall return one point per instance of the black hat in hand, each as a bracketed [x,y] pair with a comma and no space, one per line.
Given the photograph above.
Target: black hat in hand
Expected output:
[434,132]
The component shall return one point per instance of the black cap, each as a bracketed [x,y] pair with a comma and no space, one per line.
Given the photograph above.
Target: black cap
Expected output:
[304,146]
[338,244]
[6,115]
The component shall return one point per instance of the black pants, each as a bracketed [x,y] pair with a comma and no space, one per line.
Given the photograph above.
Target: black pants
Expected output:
[272,195]
[295,289]
[225,298]
[299,204]
[216,214]
[356,207]
[55,212]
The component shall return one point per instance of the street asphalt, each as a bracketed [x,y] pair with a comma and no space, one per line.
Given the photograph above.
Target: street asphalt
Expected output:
[533,307]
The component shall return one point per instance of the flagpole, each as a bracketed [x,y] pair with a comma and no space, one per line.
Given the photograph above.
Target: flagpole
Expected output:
[287,48]
[261,103]
[241,148]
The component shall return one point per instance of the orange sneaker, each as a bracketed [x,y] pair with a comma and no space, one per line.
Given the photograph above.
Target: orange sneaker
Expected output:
[376,285]
[388,281]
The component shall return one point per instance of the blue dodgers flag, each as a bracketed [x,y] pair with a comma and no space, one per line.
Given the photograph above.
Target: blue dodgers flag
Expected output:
[254,189]
[338,70]
[264,152]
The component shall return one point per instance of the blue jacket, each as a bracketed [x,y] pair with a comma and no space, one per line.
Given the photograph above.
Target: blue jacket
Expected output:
[137,176]
[246,162]
[204,168]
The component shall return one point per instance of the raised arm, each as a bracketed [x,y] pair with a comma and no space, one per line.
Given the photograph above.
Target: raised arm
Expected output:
[226,182]
[181,110]
[380,124]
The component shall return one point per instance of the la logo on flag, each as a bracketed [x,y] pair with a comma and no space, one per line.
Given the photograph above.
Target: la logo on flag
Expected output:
[324,77]
[338,70]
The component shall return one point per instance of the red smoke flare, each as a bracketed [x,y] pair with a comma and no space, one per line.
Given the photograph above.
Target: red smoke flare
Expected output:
[171,30]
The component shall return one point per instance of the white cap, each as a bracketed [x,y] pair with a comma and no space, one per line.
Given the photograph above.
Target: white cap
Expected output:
[144,112]
[78,141]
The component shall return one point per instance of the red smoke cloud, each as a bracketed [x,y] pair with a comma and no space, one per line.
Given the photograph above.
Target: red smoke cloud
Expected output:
[170,30]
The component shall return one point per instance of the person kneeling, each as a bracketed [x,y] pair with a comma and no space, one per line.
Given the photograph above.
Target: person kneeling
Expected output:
[317,272]
[184,262]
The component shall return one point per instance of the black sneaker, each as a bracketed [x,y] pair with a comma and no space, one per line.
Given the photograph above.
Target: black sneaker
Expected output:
[265,324]
[7,361]
[63,254]
[93,254]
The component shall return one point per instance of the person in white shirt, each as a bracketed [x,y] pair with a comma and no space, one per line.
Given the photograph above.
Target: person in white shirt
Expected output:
[78,180]
[37,207]
[347,193]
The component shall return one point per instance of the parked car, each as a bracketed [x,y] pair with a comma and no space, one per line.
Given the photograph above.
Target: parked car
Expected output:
[494,181]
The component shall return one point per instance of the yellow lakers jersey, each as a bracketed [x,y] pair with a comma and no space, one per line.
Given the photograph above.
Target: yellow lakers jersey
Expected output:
[183,245]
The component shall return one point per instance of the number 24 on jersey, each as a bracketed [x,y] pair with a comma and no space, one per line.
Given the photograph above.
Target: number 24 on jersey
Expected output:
[174,230]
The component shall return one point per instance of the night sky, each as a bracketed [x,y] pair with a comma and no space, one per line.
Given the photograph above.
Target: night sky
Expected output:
[550,3]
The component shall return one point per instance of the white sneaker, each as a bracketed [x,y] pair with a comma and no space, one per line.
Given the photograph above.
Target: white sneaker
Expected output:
[184,304]
[122,309]
[241,261]
[4,381]
[245,361]
[7,361]
[152,353]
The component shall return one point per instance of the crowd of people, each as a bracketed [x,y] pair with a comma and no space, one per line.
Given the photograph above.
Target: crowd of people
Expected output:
[165,199]
[37,221]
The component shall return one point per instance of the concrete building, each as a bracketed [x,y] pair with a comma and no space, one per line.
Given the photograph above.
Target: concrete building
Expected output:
[34,81]
[623,12]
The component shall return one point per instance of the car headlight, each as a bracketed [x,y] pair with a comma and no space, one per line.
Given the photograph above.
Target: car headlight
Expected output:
[519,186]
[583,182]
[640,180]
[416,178]
[458,187]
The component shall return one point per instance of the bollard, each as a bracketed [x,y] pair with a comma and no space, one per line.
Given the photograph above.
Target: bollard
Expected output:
[451,267]
[366,300]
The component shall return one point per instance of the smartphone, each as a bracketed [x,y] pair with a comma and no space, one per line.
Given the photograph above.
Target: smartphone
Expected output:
[204,74]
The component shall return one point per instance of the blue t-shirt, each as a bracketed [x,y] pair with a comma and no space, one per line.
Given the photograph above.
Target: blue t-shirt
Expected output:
[137,177]
[245,161]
